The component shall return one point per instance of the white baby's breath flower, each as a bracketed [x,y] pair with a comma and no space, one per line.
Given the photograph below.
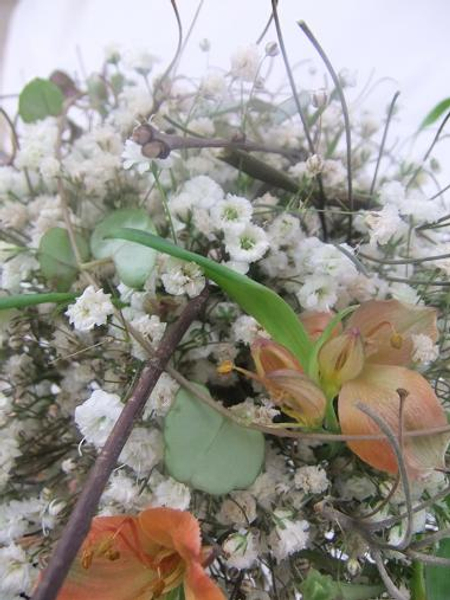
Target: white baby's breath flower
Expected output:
[162,396]
[245,63]
[96,417]
[241,549]
[172,494]
[246,329]
[143,450]
[384,224]
[318,293]
[90,309]
[290,535]
[311,479]
[132,157]
[182,277]
[249,245]
[232,214]
[424,348]
[16,572]
[151,328]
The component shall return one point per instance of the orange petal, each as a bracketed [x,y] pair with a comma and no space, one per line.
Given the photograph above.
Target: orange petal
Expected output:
[376,387]
[270,356]
[111,564]
[198,586]
[173,529]
[297,395]
[387,327]
[316,322]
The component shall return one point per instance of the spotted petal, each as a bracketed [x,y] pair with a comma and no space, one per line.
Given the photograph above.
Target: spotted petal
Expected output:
[376,388]
[387,327]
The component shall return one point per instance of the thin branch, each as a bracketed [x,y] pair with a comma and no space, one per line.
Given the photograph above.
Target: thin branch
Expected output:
[348,134]
[390,586]
[428,559]
[382,145]
[80,519]
[404,261]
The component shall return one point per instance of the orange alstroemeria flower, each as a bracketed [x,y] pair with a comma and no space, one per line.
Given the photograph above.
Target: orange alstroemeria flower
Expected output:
[366,364]
[141,557]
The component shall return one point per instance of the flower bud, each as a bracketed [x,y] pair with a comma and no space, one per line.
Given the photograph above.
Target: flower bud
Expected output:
[319,98]
[341,358]
[272,49]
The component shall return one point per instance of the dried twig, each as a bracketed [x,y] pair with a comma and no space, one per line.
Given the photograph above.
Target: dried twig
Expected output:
[80,519]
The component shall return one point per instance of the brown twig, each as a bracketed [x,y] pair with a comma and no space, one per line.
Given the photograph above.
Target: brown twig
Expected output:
[80,519]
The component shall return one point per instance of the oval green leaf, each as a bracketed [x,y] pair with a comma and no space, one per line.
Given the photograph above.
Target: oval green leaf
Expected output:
[57,260]
[268,308]
[208,451]
[39,99]
[133,262]
[435,113]
[437,578]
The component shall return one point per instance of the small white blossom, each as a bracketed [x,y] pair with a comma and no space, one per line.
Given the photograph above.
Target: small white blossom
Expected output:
[239,509]
[311,479]
[318,293]
[245,63]
[16,572]
[232,214]
[424,349]
[90,309]
[162,396]
[246,329]
[143,450]
[241,549]
[132,157]
[96,417]
[289,535]
[249,245]
[172,494]
[142,61]
[182,277]
[384,224]
[151,328]
[121,490]
[392,192]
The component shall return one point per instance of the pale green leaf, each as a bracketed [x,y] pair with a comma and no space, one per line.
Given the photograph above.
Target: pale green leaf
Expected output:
[133,262]
[206,450]
[39,99]
[57,260]
[269,309]
[437,578]
[435,113]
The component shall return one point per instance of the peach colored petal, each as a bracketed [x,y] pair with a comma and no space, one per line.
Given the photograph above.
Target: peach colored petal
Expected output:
[119,572]
[198,586]
[376,387]
[316,322]
[270,356]
[173,529]
[297,395]
[379,322]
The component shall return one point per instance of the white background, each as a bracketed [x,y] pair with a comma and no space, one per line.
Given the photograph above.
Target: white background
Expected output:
[404,42]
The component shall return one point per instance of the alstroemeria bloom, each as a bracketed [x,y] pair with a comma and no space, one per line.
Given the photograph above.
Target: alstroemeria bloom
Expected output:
[366,364]
[141,557]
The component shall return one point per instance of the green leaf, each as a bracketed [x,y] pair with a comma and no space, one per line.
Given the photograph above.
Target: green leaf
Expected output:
[208,451]
[25,300]
[39,99]
[133,262]
[269,309]
[437,579]
[56,257]
[435,113]
[322,587]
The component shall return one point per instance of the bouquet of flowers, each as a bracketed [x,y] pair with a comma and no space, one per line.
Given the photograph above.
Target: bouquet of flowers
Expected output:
[224,327]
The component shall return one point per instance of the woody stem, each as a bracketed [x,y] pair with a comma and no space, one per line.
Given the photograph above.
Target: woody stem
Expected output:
[79,522]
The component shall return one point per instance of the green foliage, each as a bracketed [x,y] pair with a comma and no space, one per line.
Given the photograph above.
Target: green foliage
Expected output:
[437,578]
[208,451]
[57,260]
[25,300]
[39,99]
[133,262]
[435,113]
[322,587]
[269,309]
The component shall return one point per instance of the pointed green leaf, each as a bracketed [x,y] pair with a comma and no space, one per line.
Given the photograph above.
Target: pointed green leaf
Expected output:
[39,99]
[56,257]
[208,451]
[437,578]
[25,300]
[269,309]
[435,113]
[133,262]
